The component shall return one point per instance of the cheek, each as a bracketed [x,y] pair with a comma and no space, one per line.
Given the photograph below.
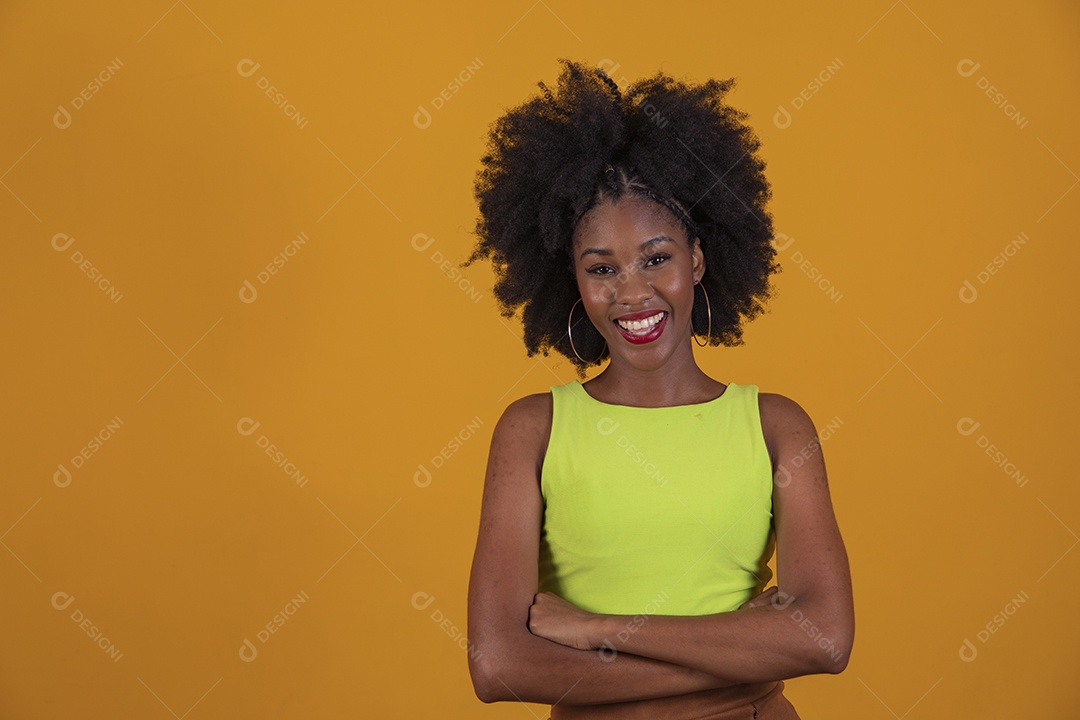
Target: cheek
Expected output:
[680,290]
[595,289]
[597,300]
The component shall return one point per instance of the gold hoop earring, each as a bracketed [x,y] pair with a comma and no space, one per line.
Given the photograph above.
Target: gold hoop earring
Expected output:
[709,309]
[570,334]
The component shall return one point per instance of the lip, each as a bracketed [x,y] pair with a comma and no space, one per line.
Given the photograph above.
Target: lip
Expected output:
[648,337]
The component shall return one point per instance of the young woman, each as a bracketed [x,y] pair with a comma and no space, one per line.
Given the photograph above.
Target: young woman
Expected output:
[627,522]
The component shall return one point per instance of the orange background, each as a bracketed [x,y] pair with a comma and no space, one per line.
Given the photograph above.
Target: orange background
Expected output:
[377,378]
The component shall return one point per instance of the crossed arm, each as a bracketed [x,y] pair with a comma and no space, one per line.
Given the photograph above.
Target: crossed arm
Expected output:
[541,648]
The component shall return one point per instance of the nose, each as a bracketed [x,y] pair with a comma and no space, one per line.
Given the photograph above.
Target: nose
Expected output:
[631,288]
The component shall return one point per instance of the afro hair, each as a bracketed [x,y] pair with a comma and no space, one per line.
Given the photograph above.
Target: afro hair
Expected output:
[552,158]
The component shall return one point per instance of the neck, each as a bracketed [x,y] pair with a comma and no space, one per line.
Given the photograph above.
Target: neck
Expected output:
[678,381]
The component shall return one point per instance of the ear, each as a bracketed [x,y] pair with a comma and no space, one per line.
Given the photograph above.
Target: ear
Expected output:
[697,258]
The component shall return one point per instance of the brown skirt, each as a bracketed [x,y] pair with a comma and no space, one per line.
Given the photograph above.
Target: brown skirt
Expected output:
[764,701]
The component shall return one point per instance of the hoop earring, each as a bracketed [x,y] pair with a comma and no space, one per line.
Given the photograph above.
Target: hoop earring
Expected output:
[709,309]
[570,334]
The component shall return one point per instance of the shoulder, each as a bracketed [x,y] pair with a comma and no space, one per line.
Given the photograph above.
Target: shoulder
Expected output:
[534,409]
[526,422]
[784,422]
[777,409]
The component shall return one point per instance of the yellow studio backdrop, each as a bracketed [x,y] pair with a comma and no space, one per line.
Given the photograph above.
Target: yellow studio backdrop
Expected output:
[248,395]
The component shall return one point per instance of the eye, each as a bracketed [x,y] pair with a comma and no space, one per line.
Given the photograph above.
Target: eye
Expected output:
[597,270]
[660,256]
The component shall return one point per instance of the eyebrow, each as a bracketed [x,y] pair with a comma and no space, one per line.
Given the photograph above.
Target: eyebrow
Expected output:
[645,245]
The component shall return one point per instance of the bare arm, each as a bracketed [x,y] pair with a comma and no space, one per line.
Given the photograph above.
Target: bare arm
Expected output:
[510,662]
[807,627]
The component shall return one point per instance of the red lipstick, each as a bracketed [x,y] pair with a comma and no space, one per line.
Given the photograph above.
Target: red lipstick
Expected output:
[639,339]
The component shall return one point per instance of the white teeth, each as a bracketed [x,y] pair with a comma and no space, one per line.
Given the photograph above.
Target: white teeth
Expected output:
[641,326]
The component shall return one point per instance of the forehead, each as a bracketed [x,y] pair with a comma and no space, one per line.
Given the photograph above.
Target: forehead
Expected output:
[631,217]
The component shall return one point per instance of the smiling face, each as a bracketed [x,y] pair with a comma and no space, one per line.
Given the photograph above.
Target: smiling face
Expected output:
[636,273]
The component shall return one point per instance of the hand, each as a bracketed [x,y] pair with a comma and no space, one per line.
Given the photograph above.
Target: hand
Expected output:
[763,599]
[555,619]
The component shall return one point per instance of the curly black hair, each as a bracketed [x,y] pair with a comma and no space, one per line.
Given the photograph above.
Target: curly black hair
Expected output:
[557,155]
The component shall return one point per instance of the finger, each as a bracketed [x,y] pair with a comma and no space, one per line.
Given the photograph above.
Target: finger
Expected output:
[762,599]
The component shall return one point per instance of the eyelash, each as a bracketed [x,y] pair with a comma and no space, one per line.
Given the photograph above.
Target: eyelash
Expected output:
[660,256]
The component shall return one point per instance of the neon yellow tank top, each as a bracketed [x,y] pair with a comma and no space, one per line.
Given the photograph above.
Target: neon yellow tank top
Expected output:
[663,511]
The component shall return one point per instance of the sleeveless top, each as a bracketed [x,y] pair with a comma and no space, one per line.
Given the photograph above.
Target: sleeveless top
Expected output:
[663,511]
